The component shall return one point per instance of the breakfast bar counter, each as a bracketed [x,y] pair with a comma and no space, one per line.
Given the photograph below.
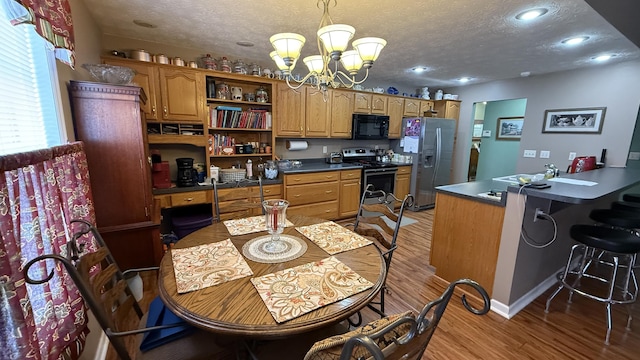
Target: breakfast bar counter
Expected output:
[504,246]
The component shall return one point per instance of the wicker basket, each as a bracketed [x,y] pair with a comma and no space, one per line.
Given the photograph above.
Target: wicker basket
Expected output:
[230,175]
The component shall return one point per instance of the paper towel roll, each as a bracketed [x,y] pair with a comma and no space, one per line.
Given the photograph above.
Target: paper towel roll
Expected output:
[297,145]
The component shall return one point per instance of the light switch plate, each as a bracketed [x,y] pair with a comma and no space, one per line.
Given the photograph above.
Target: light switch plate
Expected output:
[634,155]
[486,133]
[544,154]
[529,153]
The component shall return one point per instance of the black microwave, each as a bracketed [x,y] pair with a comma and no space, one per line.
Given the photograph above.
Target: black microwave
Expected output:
[370,127]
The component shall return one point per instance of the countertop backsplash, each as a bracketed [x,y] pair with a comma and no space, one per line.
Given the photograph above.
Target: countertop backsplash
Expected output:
[315,149]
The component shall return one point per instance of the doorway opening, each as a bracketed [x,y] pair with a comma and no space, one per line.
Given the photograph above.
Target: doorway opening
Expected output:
[491,155]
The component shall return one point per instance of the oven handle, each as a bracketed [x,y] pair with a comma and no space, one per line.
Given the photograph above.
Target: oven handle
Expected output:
[379,171]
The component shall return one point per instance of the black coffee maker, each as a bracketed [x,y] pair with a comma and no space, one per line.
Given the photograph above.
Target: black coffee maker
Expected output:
[187,174]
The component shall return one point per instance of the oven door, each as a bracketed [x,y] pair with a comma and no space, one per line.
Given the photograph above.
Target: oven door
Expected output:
[380,179]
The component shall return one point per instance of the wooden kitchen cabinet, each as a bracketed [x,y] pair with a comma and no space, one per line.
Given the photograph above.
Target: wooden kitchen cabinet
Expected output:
[182,94]
[317,113]
[370,103]
[173,94]
[395,111]
[403,182]
[341,113]
[289,111]
[412,107]
[108,120]
[252,194]
[313,194]
[449,109]
[425,107]
[350,183]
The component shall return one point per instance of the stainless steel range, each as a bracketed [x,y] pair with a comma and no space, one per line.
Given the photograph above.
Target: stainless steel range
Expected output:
[380,174]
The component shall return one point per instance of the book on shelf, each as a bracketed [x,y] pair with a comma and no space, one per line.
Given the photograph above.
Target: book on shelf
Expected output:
[231,117]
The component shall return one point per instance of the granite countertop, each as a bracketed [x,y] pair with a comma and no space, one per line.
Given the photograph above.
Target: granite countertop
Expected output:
[479,191]
[586,186]
[318,165]
[175,190]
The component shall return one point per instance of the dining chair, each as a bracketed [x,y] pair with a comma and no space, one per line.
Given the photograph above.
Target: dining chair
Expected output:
[103,287]
[239,201]
[378,219]
[400,336]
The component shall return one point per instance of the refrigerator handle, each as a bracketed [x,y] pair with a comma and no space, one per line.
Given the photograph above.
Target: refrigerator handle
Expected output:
[437,160]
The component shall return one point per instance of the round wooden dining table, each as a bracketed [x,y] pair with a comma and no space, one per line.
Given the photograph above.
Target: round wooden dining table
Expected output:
[235,308]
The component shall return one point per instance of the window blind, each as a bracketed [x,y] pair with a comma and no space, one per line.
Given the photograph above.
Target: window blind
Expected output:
[28,99]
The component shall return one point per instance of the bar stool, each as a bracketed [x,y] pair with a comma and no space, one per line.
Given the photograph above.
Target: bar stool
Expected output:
[614,245]
[631,197]
[626,205]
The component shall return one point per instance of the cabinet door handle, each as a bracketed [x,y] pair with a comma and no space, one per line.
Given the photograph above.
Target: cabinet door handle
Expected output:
[328,191]
[297,195]
[165,110]
[188,199]
[153,110]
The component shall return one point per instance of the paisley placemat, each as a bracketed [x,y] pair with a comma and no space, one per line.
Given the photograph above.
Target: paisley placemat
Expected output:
[254,249]
[296,291]
[207,265]
[248,225]
[333,238]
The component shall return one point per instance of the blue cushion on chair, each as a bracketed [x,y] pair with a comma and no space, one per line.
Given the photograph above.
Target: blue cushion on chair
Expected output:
[160,315]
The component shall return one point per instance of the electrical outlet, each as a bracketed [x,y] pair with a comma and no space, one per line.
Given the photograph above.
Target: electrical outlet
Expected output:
[324,149]
[544,154]
[572,155]
[376,147]
[529,153]
[538,215]
[634,155]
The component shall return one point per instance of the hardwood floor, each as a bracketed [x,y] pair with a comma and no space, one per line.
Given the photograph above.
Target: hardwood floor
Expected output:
[573,331]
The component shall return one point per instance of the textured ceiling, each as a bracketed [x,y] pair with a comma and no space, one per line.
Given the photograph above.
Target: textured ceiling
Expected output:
[453,39]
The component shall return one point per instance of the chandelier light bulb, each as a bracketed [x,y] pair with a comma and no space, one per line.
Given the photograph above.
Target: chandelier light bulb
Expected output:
[369,49]
[351,61]
[314,63]
[335,38]
[288,46]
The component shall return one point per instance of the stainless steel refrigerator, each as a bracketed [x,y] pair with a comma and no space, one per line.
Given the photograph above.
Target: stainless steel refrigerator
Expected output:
[429,141]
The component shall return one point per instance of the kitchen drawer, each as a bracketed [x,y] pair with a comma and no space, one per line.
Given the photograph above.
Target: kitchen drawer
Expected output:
[312,193]
[271,190]
[164,200]
[189,198]
[350,174]
[308,178]
[404,170]
[325,210]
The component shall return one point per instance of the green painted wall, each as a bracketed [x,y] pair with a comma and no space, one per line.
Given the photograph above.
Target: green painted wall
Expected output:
[499,157]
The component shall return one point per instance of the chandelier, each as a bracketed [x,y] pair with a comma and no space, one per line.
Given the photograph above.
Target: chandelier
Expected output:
[333,40]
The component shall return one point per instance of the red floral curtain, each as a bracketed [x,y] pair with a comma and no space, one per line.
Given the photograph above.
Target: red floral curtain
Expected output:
[40,192]
[52,19]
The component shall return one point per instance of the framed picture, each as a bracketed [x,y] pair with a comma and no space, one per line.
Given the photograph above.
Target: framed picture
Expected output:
[574,121]
[509,128]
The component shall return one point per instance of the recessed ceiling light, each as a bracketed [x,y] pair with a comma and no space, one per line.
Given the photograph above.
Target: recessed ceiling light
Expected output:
[531,14]
[419,69]
[144,24]
[603,57]
[464,79]
[575,40]
[245,43]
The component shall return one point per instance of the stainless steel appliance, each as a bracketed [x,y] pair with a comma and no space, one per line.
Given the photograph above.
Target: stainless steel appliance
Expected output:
[429,141]
[334,158]
[370,127]
[382,175]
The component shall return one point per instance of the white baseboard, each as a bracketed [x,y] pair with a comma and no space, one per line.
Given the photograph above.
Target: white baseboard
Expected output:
[509,311]
[102,347]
